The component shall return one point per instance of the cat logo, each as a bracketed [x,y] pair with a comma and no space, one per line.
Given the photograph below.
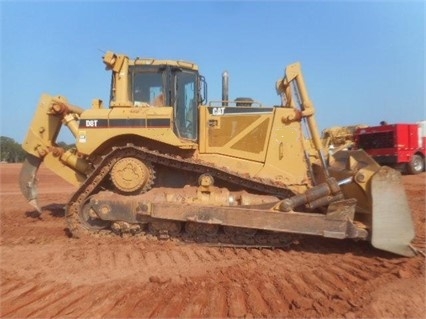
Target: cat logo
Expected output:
[218,110]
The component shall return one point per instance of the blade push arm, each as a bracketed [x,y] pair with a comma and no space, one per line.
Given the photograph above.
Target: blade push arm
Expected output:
[293,85]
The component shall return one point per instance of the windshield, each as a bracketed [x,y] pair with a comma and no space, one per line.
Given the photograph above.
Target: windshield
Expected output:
[148,87]
[157,86]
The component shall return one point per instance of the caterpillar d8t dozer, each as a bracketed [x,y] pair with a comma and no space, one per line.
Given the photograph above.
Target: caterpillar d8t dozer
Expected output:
[163,161]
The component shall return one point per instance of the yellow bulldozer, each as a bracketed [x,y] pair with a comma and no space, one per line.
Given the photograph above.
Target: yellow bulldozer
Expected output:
[162,160]
[340,137]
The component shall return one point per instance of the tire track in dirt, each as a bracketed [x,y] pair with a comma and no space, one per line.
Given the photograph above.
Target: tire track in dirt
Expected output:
[102,302]
[256,304]
[38,307]
[139,303]
[284,284]
[273,298]
[24,301]
[197,304]
[61,292]
[8,286]
[103,262]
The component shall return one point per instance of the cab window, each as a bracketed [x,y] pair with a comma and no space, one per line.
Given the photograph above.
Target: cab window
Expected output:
[148,87]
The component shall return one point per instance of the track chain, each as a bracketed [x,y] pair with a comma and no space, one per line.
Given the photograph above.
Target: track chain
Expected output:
[93,184]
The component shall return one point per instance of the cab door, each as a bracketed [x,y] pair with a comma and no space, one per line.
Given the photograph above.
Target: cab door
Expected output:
[186,108]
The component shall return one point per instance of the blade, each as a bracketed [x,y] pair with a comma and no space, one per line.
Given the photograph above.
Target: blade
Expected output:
[393,228]
[28,180]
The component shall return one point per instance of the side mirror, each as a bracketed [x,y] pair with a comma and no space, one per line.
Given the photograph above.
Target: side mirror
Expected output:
[202,94]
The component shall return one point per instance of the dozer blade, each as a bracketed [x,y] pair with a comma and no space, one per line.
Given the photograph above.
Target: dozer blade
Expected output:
[392,223]
[28,181]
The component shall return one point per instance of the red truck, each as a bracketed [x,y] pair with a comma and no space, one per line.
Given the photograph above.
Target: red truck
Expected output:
[402,146]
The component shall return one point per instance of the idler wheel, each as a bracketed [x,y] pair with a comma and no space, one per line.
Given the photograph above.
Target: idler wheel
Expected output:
[90,220]
[130,175]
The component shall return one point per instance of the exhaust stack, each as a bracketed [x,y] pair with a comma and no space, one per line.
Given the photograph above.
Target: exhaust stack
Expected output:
[225,88]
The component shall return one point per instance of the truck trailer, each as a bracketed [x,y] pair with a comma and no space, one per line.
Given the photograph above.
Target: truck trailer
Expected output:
[401,145]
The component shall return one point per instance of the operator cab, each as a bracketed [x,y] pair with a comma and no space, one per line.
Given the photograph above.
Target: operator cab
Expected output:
[169,86]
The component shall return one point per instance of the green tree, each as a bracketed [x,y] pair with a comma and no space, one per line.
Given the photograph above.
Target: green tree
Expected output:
[65,146]
[11,151]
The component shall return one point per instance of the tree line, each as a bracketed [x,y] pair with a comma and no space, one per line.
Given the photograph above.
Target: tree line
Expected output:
[12,152]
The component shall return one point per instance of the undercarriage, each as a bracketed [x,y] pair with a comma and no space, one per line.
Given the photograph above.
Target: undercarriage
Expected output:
[205,211]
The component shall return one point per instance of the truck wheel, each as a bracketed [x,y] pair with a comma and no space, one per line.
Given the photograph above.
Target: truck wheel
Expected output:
[417,165]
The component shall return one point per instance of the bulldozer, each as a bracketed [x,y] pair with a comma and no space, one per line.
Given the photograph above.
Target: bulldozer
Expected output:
[340,137]
[163,160]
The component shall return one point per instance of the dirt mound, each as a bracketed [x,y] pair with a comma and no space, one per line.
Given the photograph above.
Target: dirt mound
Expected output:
[44,273]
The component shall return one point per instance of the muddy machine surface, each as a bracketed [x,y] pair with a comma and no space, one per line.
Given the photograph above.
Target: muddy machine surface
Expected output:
[160,159]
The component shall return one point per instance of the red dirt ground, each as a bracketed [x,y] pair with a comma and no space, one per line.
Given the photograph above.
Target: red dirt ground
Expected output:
[45,274]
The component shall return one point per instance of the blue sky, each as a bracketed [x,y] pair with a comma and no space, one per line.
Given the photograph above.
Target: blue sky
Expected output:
[363,61]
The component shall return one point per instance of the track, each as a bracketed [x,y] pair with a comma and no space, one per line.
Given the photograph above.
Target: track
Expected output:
[44,273]
[98,180]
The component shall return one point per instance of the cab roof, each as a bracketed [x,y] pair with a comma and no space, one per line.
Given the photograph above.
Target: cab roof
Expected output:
[157,62]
